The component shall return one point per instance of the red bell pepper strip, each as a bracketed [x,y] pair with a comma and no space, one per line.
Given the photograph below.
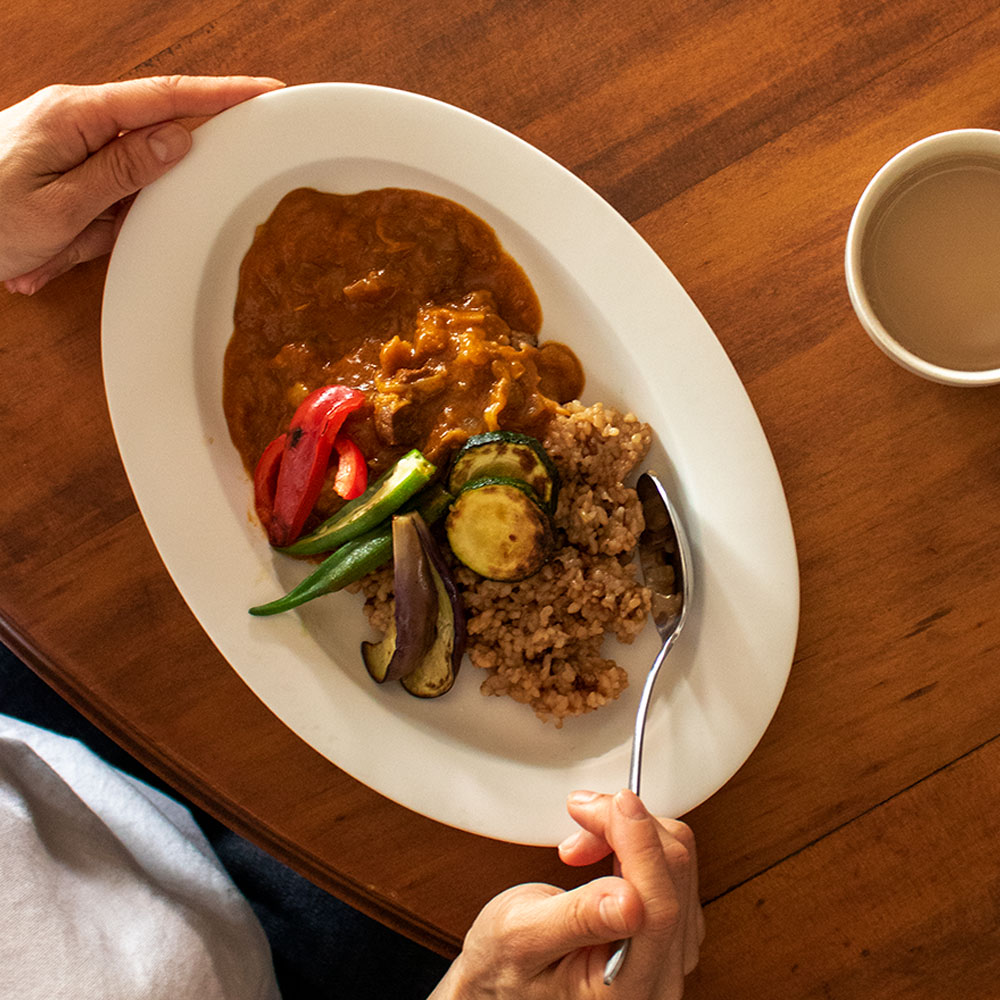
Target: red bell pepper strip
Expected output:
[351,479]
[308,444]
[265,480]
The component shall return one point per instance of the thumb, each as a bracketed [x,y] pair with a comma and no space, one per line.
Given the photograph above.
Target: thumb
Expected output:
[121,168]
[598,912]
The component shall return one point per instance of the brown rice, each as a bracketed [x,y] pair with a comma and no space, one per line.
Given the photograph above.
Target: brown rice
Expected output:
[540,640]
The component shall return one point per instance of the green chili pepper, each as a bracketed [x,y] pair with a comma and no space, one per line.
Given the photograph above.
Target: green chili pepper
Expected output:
[409,475]
[352,561]
[358,557]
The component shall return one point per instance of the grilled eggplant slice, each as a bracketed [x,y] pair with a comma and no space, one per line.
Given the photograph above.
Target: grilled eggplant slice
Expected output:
[416,613]
[437,671]
[426,639]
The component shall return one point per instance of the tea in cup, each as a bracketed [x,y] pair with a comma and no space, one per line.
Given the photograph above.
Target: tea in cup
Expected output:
[923,257]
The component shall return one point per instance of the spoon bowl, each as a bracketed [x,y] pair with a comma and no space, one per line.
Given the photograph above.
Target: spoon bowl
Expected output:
[665,558]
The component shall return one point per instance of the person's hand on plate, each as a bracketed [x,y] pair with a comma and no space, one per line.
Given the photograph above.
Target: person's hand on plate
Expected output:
[538,942]
[71,158]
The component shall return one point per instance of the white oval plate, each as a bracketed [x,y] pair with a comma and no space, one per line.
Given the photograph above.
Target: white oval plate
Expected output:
[486,765]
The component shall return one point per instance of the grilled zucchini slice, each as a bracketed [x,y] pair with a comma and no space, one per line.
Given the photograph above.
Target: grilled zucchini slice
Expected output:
[508,455]
[499,529]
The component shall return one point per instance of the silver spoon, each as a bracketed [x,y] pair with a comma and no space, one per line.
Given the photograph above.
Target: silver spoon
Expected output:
[665,557]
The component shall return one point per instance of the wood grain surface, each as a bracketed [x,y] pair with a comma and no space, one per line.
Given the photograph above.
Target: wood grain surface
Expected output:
[857,853]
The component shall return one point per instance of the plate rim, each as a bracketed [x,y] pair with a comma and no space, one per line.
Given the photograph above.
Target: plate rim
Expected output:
[320,99]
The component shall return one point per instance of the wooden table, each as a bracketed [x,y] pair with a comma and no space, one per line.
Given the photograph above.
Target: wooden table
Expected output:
[857,853]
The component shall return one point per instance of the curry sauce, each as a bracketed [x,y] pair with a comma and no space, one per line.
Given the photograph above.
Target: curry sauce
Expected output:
[404,295]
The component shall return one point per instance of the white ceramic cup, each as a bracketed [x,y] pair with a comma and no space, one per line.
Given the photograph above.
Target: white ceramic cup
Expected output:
[920,156]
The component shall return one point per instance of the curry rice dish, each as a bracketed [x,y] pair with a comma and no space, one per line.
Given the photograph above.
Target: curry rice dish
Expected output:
[411,299]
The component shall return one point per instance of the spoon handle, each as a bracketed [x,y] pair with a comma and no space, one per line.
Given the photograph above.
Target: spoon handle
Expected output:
[617,960]
[635,763]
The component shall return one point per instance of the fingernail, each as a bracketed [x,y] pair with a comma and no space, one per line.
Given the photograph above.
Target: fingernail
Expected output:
[630,805]
[582,797]
[571,841]
[613,914]
[170,142]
